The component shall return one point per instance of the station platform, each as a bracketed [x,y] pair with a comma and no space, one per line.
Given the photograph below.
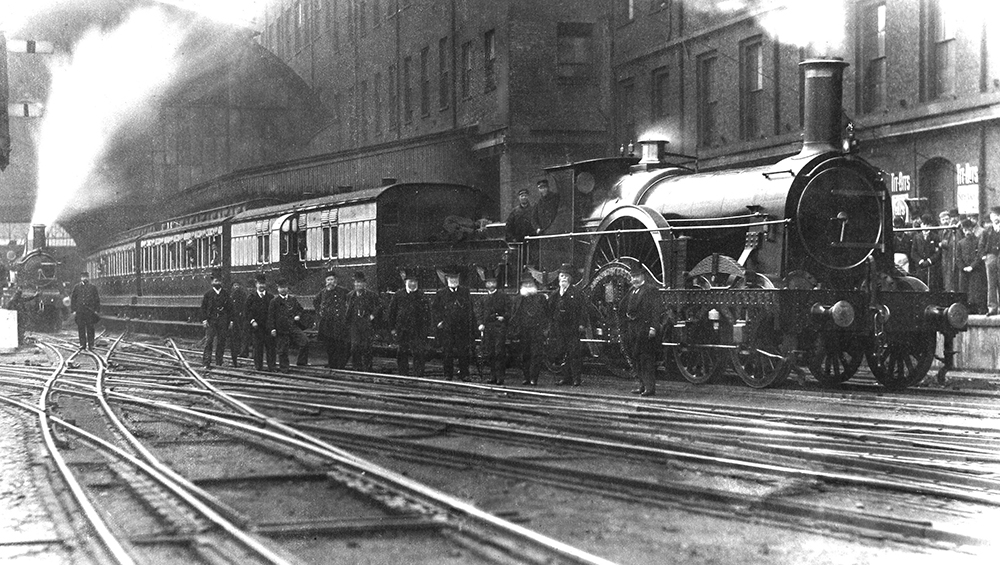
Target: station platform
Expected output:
[978,348]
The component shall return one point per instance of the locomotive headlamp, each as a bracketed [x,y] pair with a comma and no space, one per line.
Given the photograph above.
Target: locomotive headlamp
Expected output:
[841,313]
[956,315]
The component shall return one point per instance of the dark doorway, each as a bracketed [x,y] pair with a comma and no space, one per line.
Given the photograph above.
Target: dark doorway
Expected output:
[937,183]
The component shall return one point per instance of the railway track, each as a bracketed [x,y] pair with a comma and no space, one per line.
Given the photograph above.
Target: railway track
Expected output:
[842,475]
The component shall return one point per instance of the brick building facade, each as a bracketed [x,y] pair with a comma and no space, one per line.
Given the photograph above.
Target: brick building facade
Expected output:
[485,93]
[923,90]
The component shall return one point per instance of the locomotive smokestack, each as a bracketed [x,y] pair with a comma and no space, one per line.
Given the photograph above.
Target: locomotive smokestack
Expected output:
[824,94]
[38,236]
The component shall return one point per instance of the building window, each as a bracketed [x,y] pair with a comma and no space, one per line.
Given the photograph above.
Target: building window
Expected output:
[407,91]
[467,69]
[751,88]
[661,92]
[489,60]
[943,47]
[425,83]
[626,109]
[377,104]
[443,74]
[574,49]
[708,103]
[363,109]
[873,57]
[393,91]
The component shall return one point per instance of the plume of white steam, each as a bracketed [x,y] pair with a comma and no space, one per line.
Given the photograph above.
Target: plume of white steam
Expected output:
[14,13]
[239,12]
[99,91]
[808,23]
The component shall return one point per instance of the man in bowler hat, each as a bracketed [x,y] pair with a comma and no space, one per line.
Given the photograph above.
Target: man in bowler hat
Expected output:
[257,305]
[454,321]
[642,310]
[363,308]
[330,305]
[529,325]
[86,302]
[494,311]
[284,316]
[217,318]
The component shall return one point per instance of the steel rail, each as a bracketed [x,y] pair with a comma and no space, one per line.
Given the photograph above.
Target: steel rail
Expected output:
[297,438]
[107,539]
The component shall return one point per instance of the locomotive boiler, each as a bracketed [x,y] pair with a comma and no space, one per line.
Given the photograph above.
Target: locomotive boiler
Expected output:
[765,268]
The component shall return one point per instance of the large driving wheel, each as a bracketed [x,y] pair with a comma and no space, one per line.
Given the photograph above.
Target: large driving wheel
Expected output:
[835,358]
[759,361]
[606,290]
[903,360]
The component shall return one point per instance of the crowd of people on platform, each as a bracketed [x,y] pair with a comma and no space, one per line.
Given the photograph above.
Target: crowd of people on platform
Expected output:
[955,253]
[521,330]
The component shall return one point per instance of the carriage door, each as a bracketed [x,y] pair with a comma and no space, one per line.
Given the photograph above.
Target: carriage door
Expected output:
[285,247]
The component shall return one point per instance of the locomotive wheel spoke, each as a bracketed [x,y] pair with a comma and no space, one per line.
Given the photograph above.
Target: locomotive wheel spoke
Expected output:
[904,361]
[697,365]
[760,363]
[835,359]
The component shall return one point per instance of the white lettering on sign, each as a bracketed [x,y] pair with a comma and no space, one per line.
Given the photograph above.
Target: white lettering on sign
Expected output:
[966,174]
[899,183]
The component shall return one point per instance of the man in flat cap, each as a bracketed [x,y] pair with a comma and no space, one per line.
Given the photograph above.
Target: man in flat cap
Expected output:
[454,321]
[285,315]
[568,313]
[363,308]
[330,305]
[529,324]
[494,311]
[521,221]
[257,306]
[642,311]
[85,301]
[410,320]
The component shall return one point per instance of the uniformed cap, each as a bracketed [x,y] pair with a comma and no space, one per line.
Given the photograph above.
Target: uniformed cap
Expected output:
[528,279]
[260,277]
[567,269]
[543,182]
[410,276]
[451,273]
[282,283]
[359,276]
[522,191]
[968,224]
[490,277]
[330,273]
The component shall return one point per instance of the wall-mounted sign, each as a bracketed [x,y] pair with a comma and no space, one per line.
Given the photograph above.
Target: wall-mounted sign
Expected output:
[899,187]
[967,188]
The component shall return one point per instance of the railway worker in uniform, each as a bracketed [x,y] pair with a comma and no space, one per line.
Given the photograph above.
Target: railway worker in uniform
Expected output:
[545,210]
[947,241]
[529,324]
[216,317]
[330,306]
[454,321]
[284,316]
[989,251]
[256,314]
[521,220]
[972,278]
[494,311]
[925,255]
[642,311]
[410,320]
[363,309]
[568,320]
[238,342]
[85,301]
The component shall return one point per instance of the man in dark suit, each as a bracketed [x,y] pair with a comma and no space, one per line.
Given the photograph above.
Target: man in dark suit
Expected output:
[925,255]
[494,312]
[568,320]
[216,317]
[454,321]
[86,302]
[410,320]
[642,309]
[238,337]
[330,306]
[256,313]
[989,252]
[284,317]
[363,309]
[529,323]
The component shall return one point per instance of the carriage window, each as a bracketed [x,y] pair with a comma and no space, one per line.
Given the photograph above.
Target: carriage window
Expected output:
[263,249]
[329,241]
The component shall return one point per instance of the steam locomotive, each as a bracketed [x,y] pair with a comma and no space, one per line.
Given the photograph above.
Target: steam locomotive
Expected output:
[40,277]
[761,269]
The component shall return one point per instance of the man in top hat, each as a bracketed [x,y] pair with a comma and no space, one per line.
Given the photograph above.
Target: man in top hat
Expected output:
[363,308]
[642,309]
[330,305]
[454,321]
[284,316]
[216,317]
[86,302]
[568,314]
[256,311]
[410,320]
[529,323]
[494,311]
